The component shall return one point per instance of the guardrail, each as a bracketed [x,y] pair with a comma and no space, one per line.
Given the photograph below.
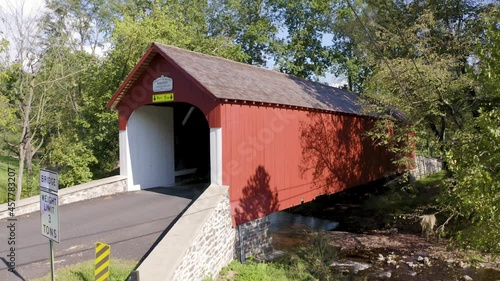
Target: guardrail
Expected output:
[89,190]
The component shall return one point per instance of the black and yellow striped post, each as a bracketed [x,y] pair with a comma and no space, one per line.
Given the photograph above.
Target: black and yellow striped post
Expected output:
[102,252]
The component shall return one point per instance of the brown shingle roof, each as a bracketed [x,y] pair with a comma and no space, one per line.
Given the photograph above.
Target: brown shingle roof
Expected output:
[227,79]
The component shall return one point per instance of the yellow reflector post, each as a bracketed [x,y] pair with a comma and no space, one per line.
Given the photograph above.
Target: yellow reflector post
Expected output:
[102,252]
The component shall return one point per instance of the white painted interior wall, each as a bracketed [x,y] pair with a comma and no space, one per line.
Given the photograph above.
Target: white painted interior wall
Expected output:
[216,156]
[147,148]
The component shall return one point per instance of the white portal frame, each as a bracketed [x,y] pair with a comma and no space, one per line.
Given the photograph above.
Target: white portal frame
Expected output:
[147,149]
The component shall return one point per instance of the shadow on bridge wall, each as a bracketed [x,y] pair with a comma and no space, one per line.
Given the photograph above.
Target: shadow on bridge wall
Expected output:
[336,152]
[257,198]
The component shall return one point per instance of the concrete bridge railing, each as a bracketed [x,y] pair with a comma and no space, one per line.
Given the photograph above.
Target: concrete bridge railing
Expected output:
[425,166]
[89,190]
[198,246]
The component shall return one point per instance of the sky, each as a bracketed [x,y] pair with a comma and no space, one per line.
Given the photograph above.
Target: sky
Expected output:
[31,7]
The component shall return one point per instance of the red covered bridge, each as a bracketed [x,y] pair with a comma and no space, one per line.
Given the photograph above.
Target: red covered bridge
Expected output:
[274,139]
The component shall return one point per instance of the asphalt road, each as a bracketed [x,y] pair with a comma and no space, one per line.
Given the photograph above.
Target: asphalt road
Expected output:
[129,222]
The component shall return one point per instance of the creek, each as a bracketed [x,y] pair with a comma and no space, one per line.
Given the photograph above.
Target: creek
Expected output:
[290,230]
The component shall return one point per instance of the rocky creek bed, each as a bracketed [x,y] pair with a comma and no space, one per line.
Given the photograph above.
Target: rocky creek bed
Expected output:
[393,256]
[369,247]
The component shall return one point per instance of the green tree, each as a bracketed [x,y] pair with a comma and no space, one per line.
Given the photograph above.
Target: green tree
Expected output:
[488,55]
[419,62]
[474,188]
[437,63]
[249,24]
[25,96]
[349,43]
[172,24]
[43,89]
[82,143]
[301,52]
[6,111]
[88,23]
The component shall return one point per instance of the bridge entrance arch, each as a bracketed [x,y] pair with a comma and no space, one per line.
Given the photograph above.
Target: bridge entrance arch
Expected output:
[166,144]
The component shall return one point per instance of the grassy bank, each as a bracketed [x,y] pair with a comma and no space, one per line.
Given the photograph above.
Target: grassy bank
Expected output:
[30,187]
[307,263]
[257,271]
[5,163]
[400,206]
[119,271]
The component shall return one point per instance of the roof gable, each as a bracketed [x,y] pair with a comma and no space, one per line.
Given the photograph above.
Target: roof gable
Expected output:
[226,79]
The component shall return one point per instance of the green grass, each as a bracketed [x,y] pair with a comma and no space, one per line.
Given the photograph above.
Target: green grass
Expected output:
[408,196]
[119,270]
[254,271]
[276,271]
[431,180]
[400,206]
[29,188]
[5,163]
[306,263]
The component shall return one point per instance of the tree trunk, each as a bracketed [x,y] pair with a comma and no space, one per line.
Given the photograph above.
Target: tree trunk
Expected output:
[22,154]
[25,139]
[29,157]
[349,81]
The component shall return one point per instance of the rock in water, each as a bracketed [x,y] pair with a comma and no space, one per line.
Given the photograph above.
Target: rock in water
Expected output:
[351,266]
[387,274]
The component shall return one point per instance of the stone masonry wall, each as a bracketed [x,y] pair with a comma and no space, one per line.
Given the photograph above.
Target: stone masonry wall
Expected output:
[425,166]
[213,247]
[253,239]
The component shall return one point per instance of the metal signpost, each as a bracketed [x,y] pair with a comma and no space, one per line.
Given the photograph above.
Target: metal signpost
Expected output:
[49,210]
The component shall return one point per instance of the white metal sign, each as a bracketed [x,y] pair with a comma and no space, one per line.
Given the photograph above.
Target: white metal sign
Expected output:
[49,180]
[49,215]
[163,84]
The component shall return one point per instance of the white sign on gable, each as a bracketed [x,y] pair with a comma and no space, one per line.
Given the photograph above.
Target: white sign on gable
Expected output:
[163,84]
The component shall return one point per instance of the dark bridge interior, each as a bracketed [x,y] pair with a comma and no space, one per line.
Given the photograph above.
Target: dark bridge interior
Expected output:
[192,143]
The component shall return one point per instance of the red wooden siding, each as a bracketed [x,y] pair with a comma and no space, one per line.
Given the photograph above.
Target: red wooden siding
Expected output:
[184,91]
[276,158]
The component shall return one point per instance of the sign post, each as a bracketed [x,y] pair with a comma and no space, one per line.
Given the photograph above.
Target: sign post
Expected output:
[49,211]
